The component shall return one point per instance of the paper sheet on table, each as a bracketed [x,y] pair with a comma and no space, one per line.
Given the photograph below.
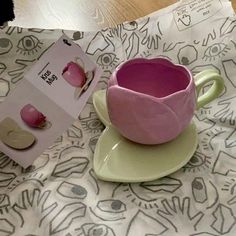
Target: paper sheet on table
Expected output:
[60,194]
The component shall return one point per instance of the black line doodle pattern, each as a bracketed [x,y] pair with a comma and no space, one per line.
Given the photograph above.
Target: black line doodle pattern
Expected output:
[224,164]
[4,88]
[3,67]
[229,67]
[224,219]
[91,229]
[74,165]
[18,73]
[199,199]
[187,55]
[210,36]
[227,113]
[28,45]
[70,190]
[155,226]
[109,210]
[197,163]
[181,210]
[215,51]
[5,45]
[227,27]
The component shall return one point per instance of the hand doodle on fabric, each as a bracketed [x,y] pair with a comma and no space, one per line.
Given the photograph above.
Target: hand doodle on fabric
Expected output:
[187,55]
[64,218]
[18,73]
[109,210]
[227,113]
[177,213]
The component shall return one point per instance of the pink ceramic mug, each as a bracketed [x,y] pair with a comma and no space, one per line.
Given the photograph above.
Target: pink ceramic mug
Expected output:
[151,101]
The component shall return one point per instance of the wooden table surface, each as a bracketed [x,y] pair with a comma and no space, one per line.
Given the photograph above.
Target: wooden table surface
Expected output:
[83,15]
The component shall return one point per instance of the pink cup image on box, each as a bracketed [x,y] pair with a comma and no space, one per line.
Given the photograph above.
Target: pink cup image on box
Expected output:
[151,101]
[74,73]
[34,118]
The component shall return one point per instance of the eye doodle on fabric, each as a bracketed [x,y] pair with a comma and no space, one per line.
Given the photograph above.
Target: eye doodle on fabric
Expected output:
[227,27]
[91,123]
[224,164]
[5,45]
[198,163]
[109,210]
[28,45]
[91,229]
[215,51]
[187,55]
[155,227]
[224,219]
[151,40]
[107,60]
[73,191]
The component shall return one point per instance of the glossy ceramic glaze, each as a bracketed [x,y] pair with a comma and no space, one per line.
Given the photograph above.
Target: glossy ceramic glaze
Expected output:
[151,101]
[120,160]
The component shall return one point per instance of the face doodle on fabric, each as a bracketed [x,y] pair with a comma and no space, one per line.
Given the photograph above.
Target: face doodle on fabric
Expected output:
[28,45]
[5,45]
[215,51]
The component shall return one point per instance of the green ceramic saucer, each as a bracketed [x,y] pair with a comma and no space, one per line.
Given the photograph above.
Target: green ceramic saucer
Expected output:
[120,160]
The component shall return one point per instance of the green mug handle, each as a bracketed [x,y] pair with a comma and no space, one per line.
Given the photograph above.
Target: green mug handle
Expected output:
[213,92]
